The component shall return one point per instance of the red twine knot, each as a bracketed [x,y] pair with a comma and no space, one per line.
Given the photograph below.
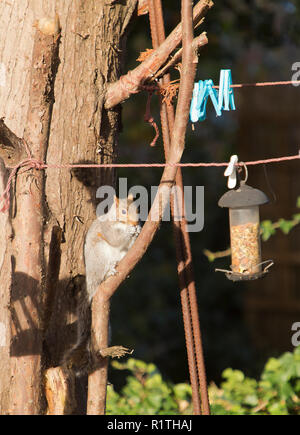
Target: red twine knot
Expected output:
[29,163]
[36,164]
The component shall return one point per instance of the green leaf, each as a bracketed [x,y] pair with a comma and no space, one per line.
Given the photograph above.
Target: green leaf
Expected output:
[183,391]
[272,365]
[286,226]
[296,217]
[134,364]
[155,400]
[251,400]
[267,229]
[278,408]
[286,391]
[154,381]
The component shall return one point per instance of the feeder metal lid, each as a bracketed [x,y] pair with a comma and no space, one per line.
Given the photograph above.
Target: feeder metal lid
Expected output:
[244,196]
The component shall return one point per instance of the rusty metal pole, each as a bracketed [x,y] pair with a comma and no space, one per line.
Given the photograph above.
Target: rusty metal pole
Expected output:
[180,266]
[183,248]
[186,255]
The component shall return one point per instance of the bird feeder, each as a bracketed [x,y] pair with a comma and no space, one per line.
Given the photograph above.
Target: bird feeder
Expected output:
[243,204]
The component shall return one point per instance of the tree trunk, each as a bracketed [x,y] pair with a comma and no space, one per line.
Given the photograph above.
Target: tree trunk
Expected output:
[91,49]
[5,279]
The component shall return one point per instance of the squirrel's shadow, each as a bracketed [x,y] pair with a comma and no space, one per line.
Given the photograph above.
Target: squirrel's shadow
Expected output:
[28,334]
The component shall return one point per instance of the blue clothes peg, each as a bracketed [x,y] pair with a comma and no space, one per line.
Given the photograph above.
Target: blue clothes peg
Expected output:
[224,100]
[203,90]
[197,110]
[202,100]
[226,96]
[194,113]
[213,96]
[198,105]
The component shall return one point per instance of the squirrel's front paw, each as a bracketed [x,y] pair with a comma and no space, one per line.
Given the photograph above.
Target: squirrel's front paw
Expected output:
[135,230]
[112,270]
[132,230]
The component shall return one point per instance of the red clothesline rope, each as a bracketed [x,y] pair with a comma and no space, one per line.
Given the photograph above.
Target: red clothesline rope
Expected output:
[256,85]
[163,165]
[239,85]
[153,88]
[31,163]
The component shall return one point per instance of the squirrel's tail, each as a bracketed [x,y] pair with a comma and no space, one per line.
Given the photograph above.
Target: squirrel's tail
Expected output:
[77,356]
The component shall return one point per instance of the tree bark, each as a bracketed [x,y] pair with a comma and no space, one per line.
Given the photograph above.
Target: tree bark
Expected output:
[93,40]
[91,54]
[28,256]
[5,279]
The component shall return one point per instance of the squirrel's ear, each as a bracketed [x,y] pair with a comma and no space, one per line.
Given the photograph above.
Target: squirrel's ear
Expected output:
[130,197]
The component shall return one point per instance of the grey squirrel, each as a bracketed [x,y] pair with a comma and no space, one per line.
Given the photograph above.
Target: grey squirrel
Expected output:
[108,239]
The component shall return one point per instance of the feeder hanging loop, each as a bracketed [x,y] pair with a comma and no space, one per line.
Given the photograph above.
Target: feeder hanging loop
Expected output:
[243,203]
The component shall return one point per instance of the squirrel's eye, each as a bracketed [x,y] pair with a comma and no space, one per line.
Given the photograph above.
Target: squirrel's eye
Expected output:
[123,211]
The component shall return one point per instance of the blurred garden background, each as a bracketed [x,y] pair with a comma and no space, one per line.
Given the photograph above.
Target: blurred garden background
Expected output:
[243,324]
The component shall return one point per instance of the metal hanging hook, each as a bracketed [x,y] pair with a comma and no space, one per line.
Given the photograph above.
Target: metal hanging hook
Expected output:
[240,165]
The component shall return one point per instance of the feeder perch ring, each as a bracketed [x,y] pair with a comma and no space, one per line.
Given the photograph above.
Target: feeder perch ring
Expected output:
[236,276]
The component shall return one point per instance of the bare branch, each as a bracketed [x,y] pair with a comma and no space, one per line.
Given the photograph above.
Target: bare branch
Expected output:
[11,147]
[212,256]
[100,304]
[97,383]
[130,83]
[198,42]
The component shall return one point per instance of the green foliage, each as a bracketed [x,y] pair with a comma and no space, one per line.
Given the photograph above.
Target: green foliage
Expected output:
[277,392]
[146,393]
[269,228]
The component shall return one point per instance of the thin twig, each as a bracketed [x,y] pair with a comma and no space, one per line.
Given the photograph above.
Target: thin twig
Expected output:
[212,256]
